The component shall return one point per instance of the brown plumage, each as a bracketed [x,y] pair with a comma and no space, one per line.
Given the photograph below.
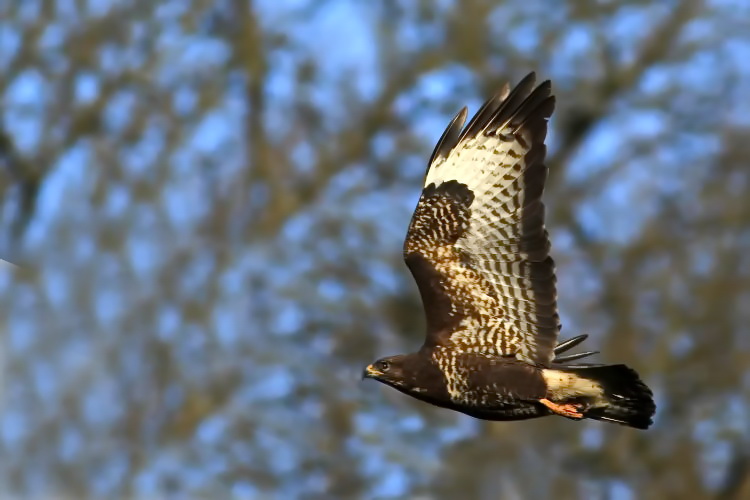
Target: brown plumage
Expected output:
[479,252]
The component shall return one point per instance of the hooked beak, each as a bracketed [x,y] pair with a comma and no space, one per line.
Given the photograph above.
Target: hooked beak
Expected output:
[370,372]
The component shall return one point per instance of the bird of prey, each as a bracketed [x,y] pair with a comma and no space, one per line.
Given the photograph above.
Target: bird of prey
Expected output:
[479,252]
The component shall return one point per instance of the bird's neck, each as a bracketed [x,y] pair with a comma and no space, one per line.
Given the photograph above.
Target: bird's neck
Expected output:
[424,376]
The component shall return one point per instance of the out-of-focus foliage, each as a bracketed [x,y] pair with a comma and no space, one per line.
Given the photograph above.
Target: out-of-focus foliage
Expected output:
[208,199]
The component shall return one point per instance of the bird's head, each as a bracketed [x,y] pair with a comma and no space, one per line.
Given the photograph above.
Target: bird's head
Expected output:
[389,370]
[414,374]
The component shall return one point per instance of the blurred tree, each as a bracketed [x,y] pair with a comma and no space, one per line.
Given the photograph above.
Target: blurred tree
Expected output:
[209,198]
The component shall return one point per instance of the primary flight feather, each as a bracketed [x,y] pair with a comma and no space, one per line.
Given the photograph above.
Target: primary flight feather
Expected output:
[479,252]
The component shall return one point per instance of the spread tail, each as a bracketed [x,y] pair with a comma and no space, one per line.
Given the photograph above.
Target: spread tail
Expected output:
[624,399]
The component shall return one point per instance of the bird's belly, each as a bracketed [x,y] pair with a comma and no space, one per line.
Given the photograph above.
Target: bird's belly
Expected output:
[511,410]
[500,405]
[494,388]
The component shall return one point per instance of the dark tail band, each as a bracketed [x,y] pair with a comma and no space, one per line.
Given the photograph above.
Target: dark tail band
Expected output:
[629,401]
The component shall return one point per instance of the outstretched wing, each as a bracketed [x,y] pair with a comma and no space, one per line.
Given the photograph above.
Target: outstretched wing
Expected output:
[477,245]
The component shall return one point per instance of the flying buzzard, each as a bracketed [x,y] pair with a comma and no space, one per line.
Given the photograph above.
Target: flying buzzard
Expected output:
[479,252]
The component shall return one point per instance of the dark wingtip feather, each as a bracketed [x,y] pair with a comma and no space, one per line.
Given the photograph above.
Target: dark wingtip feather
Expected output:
[450,136]
[519,103]
[524,104]
[483,116]
[499,105]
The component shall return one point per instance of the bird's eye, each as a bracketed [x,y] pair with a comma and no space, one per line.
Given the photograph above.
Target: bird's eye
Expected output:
[383,366]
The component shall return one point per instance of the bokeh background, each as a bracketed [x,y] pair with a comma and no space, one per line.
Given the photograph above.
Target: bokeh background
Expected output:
[207,200]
